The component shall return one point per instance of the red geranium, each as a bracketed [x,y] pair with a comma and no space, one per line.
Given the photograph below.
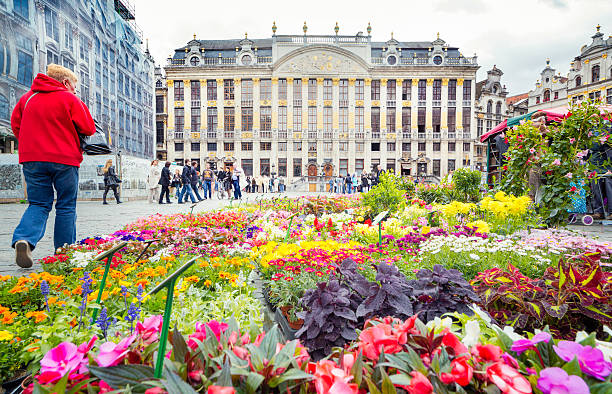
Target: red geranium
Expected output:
[508,379]
[220,390]
[419,384]
[375,339]
[487,353]
[451,341]
[461,372]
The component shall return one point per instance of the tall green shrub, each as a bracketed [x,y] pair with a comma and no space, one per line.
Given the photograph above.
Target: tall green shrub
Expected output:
[387,195]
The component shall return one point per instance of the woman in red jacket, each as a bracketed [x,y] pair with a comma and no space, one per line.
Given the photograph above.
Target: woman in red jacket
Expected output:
[46,122]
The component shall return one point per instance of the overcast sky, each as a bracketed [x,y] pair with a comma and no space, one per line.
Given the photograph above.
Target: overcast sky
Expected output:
[516,35]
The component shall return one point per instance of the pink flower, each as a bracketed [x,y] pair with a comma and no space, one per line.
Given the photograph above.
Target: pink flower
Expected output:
[84,348]
[200,332]
[149,329]
[62,359]
[112,353]
[568,175]
[525,344]
[532,150]
[582,154]
[556,162]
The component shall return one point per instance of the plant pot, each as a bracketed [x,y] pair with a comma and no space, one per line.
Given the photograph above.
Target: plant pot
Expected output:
[294,324]
[15,381]
[283,324]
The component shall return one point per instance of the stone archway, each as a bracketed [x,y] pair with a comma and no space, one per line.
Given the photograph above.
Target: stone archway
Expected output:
[312,177]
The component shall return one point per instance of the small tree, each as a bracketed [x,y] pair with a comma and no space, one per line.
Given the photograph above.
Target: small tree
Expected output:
[386,195]
[544,160]
[467,184]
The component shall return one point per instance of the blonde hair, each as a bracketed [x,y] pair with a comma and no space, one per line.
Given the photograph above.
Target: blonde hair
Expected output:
[108,164]
[60,73]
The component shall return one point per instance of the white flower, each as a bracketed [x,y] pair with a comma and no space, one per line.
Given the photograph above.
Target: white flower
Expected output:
[438,323]
[472,333]
[480,313]
[474,256]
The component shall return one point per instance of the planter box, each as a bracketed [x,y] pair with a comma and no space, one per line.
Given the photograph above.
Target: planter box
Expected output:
[283,324]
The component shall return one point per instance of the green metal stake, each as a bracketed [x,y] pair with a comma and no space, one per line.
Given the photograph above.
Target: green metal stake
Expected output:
[109,257]
[378,220]
[289,227]
[168,283]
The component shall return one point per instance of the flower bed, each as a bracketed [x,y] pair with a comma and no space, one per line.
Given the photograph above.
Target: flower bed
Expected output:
[396,315]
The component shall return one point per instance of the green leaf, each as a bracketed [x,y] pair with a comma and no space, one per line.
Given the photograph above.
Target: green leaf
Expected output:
[120,376]
[372,389]
[225,378]
[174,384]
[400,379]
[387,384]
[357,369]
[179,346]
[573,367]
[601,388]
[292,374]
[253,382]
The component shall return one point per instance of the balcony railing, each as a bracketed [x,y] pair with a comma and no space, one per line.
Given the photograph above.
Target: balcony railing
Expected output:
[228,134]
[436,103]
[312,135]
[297,102]
[359,135]
[265,134]
[213,61]
[451,135]
[452,103]
[422,103]
[211,135]
[437,136]
[246,103]
[178,135]
[282,134]
[195,103]
[328,135]
[421,136]
[390,103]
[467,135]
[467,103]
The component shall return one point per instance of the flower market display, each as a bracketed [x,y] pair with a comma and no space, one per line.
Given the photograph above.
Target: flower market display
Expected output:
[309,295]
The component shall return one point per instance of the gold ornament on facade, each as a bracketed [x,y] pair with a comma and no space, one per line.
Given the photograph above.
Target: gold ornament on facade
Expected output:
[202,81]
[406,103]
[429,81]
[351,81]
[327,103]
[220,81]
[187,83]
[444,81]
[399,81]
[358,103]
[304,81]
[376,103]
[265,103]
[312,103]
[415,81]
[228,103]
[274,80]
[211,103]
[368,81]
[335,81]
[274,28]
[179,104]
[369,29]
[459,81]
[320,81]
[282,103]
[255,81]
[289,80]
[170,83]
[305,28]
[586,61]
[237,81]
[605,55]
[383,81]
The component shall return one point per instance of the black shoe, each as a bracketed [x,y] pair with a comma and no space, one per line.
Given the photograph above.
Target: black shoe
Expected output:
[168,202]
[161,202]
[104,203]
[181,202]
[119,202]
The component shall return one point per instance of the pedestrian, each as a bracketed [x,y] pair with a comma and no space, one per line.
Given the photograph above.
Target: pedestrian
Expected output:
[176,183]
[264,183]
[208,176]
[186,182]
[220,182]
[271,184]
[153,181]
[45,122]
[348,183]
[364,181]
[195,178]
[111,181]
[379,172]
[236,182]
[331,184]
[281,184]
[164,181]
[254,184]
[601,188]
[355,182]
[338,184]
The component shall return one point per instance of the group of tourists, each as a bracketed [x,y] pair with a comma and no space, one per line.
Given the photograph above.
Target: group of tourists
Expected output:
[355,183]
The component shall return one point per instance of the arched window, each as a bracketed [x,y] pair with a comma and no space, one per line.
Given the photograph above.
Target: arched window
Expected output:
[546,95]
[595,74]
[4,107]
[578,81]
[1,58]
[158,84]
[490,107]
[498,108]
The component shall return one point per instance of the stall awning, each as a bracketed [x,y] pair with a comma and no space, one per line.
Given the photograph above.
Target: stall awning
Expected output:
[550,117]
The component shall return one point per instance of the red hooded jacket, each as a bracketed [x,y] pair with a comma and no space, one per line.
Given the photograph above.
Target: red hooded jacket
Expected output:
[47,130]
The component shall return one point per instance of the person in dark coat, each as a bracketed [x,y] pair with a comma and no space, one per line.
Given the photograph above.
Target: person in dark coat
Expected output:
[165,181]
[379,172]
[186,181]
[195,179]
[111,181]
[502,146]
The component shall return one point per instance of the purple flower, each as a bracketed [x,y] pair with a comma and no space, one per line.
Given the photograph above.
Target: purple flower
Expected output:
[591,360]
[523,345]
[557,381]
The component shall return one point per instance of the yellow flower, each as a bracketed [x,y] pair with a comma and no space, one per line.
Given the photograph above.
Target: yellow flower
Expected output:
[481,226]
[207,283]
[5,336]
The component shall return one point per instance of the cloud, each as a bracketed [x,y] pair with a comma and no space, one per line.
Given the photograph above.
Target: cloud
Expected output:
[556,3]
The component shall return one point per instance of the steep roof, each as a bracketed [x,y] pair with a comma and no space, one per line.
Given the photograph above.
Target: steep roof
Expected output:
[515,99]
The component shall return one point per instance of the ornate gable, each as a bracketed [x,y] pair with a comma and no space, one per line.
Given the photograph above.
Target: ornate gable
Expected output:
[321,60]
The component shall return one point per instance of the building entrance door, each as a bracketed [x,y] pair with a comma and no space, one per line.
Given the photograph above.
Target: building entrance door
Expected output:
[329,170]
[312,178]
[422,169]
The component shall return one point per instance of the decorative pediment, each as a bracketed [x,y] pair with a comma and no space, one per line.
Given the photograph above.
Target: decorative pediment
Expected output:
[323,60]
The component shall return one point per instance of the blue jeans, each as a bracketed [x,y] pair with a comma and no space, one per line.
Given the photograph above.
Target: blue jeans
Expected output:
[194,188]
[186,189]
[208,188]
[237,191]
[41,178]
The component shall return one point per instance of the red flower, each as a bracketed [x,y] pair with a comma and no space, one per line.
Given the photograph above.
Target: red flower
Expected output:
[574,189]
[461,372]
[548,172]
[508,379]
[375,339]
[155,390]
[451,341]
[487,353]
[220,390]
[329,378]
[419,384]
[317,224]
[505,168]
[329,223]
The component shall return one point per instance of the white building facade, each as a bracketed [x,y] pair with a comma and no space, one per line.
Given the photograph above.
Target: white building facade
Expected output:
[308,107]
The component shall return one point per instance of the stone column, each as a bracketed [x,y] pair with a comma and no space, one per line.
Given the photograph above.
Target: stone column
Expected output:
[220,99]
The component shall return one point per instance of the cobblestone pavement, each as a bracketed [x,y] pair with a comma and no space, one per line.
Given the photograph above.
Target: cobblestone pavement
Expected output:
[93,219]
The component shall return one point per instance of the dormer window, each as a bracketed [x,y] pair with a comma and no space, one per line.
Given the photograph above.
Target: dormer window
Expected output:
[546,95]
[578,81]
[437,60]
[194,61]
[391,60]
[246,59]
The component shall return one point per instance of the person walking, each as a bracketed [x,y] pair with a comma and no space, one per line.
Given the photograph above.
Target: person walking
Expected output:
[153,181]
[176,183]
[165,181]
[331,184]
[254,185]
[355,182]
[195,179]
[281,184]
[46,122]
[208,176]
[236,182]
[111,181]
[186,181]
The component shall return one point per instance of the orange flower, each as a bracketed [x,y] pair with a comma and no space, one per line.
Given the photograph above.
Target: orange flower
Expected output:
[3,310]
[207,283]
[37,315]
[32,349]
[141,282]
[73,322]
[77,290]
[4,278]
[66,292]
[8,318]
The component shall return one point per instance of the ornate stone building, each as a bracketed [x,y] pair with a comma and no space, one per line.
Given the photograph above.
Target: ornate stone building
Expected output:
[100,42]
[490,109]
[590,76]
[310,106]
